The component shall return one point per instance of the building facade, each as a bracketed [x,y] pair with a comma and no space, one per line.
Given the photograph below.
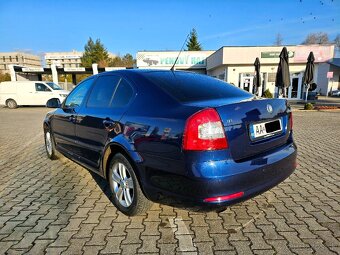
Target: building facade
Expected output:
[18,58]
[235,65]
[70,59]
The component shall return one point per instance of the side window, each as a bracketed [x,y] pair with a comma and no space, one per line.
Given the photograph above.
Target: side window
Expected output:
[77,95]
[102,92]
[123,94]
[41,87]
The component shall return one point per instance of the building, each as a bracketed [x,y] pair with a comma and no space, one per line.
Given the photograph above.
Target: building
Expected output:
[235,65]
[18,58]
[71,59]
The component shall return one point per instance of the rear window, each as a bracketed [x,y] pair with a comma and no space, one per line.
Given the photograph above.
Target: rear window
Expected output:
[191,87]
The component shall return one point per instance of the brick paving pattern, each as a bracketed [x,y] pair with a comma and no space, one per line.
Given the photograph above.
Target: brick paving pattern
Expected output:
[58,207]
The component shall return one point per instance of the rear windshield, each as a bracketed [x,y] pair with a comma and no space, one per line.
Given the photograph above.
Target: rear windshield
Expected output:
[191,87]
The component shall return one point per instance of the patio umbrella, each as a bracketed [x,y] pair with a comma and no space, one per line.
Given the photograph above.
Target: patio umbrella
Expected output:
[309,72]
[257,82]
[282,75]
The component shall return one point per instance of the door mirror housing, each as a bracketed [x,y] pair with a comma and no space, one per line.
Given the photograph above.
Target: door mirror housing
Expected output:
[53,103]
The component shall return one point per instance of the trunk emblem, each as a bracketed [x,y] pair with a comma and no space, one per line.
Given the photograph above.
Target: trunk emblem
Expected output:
[269,108]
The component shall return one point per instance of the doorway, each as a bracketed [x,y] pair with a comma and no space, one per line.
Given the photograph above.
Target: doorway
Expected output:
[246,82]
[295,90]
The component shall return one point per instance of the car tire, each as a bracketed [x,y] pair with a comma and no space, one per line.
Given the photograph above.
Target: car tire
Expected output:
[127,194]
[11,104]
[50,149]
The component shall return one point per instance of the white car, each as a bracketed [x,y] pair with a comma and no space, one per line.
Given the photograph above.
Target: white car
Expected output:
[336,93]
[17,93]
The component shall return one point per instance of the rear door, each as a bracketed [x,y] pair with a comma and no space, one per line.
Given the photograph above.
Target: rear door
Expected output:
[64,118]
[99,120]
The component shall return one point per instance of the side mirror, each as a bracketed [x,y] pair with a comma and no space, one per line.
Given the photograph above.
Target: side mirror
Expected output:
[53,103]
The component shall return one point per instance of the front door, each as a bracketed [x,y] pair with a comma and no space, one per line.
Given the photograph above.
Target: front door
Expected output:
[64,118]
[98,121]
[246,82]
[295,89]
[41,94]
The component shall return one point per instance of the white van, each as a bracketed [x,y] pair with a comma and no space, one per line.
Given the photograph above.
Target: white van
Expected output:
[16,93]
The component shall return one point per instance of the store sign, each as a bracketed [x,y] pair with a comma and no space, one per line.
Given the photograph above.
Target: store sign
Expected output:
[322,53]
[275,54]
[114,68]
[62,56]
[74,69]
[167,59]
[32,69]
[329,75]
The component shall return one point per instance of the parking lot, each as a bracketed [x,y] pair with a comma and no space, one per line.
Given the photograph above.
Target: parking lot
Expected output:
[59,207]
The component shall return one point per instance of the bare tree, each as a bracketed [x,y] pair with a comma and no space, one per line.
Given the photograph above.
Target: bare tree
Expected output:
[278,40]
[337,41]
[317,38]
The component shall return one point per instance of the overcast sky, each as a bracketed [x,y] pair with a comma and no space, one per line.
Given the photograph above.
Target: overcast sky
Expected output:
[131,26]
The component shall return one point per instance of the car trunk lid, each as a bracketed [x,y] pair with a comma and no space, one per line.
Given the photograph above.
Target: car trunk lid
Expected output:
[241,120]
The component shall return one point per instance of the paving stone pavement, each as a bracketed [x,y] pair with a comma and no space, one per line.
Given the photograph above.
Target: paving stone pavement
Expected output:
[58,207]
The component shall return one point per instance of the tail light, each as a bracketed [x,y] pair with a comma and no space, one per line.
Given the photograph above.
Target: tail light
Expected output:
[291,121]
[204,131]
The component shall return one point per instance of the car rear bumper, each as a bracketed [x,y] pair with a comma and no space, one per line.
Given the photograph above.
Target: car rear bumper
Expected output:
[251,177]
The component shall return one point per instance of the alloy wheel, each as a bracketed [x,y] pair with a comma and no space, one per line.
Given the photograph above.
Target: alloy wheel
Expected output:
[123,185]
[48,142]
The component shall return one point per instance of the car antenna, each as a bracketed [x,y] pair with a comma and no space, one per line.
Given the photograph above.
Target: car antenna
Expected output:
[173,66]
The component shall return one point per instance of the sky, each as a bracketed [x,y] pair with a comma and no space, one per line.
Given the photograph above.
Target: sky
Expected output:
[130,26]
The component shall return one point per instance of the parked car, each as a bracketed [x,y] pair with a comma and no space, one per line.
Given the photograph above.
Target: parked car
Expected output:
[336,93]
[17,93]
[172,134]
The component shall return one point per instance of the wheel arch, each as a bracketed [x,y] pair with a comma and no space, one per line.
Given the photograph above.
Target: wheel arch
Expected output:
[114,147]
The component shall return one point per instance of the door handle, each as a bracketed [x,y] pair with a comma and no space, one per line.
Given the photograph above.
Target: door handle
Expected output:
[108,124]
[72,118]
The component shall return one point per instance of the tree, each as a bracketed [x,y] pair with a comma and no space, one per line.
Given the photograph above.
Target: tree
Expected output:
[126,61]
[95,52]
[4,77]
[193,43]
[316,38]
[278,40]
[337,41]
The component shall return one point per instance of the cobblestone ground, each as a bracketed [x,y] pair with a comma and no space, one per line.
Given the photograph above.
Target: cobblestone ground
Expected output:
[58,207]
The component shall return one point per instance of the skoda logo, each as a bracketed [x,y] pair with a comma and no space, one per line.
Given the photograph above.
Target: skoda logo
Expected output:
[269,108]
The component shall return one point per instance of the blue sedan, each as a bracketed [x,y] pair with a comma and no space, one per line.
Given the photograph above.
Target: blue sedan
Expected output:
[162,136]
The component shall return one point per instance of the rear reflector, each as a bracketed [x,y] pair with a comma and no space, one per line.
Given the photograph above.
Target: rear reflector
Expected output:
[224,198]
[204,131]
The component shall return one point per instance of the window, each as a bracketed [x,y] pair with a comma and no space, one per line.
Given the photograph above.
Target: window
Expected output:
[41,87]
[123,94]
[10,58]
[77,95]
[54,86]
[271,77]
[17,59]
[191,87]
[102,92]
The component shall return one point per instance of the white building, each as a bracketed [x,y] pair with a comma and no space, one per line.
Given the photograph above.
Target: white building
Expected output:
[235,65]
[18,58]
[71,59]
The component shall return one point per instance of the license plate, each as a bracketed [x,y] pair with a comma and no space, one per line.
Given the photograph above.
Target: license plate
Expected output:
[265,129]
